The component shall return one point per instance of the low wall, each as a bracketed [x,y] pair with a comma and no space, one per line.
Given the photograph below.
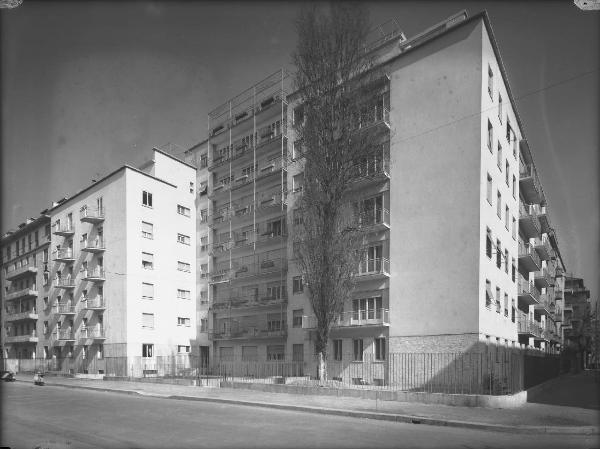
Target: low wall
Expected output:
[203,382]
[463,400]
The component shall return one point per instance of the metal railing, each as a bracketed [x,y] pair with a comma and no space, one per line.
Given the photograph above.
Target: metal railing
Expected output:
[63,253]
[374,266]
[93,213]
[96,272]
[65,309]
[96,302]
[371,317]
[64,281]
[97,243]
[529,171]
[526,287]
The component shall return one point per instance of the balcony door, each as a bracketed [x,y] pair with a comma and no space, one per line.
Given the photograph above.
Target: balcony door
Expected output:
[374,254]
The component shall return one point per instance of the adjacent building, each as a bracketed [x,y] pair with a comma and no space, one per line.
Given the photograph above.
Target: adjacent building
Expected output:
[114,272]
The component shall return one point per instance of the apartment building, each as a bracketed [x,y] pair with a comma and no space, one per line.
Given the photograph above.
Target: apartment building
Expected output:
[119,277]
[577,310]
[461,249]
[25,258]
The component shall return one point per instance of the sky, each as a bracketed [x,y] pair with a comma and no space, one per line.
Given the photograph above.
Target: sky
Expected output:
[89,86]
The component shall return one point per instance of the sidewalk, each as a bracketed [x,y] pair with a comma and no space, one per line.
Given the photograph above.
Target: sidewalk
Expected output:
[530,418]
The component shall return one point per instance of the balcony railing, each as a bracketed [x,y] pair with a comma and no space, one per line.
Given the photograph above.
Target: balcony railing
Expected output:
[65,229]
[375,218]
[96,274]
[91,215]
[249,332]
[31,337]
[372,267]
[544,219]
[542,246]
[528,327]
[65,309]
[15,315]
[93,245]
[21,293]
[528,221]
[92,332]
[64,282]
[21,271]
[527,292]
[529,183]
[373,317]
[528,257]
[247,301]
[63,255]
[65,334]
[542,278]
[96,302]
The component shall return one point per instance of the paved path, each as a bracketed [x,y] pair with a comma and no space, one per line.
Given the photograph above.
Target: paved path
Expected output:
[55,417]
[578,390]
[530,418]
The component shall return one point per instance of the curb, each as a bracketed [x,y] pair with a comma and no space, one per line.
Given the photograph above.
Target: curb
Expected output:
[409,419]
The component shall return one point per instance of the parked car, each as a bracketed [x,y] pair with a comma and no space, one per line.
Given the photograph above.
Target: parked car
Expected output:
[7,376]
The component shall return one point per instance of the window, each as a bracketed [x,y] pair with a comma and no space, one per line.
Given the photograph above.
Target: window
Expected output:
[506,216]
[203,215]
[148,261]
[46,302]
[147,290]
[29,242]
[507,173]
[299,117]
[147,230]
[184,239]
[499,204]
[275,352]
[490,136]
[380,348]
[488,293]
[514,270]
[191,187]
[297,149]
[490,81]
[506,304]
[183,266]
[146,199]
[275,321]
[505,260]
[182,321]
[203,160]
[489,189]
[514,228]
[337,349]
[203,244]
[358,349]
[514,187]
[298,182]
[203,270]
[147,350]
[499,157]
[183,294]
[147,321]
[513,312]
[226,353]
[498,305]
[183,349]
[203,325]
[297,217]
[498,254]
[46,328]
[298,287]
[249,353]
[182,210]
[297,317]
[500,107]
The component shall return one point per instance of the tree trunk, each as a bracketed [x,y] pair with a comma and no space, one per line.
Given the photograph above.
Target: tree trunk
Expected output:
[322,368]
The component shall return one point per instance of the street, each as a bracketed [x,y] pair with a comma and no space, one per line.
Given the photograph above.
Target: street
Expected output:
[57,417]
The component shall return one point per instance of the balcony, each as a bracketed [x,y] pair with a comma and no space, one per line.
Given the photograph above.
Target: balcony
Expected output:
[375,220]
[21,271]
[248,302]
[544,219]
[220,247]
[221,275]
[528,327]
[372,172]
[249,333]
[527,292]
[13,315]
[64,282]
[65,335]
[95,275]
[543,307]
[529,259]
[96,245]
[29,338]
[92,333]
[64,230]
[22,293]
[64,255]
[374,269]
[542,246]
[65,309]
[542,278]
[528,222]
[364,318]
[265,267]
[96,303]
[90,215]
[378,115]
[529,184]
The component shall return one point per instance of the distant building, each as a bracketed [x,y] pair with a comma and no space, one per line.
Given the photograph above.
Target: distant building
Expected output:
[577,316]
[118,278]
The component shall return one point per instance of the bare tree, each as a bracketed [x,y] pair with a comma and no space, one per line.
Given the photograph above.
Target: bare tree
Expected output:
[335,123]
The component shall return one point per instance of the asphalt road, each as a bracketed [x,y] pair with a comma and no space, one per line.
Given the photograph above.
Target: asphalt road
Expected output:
[57,417]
